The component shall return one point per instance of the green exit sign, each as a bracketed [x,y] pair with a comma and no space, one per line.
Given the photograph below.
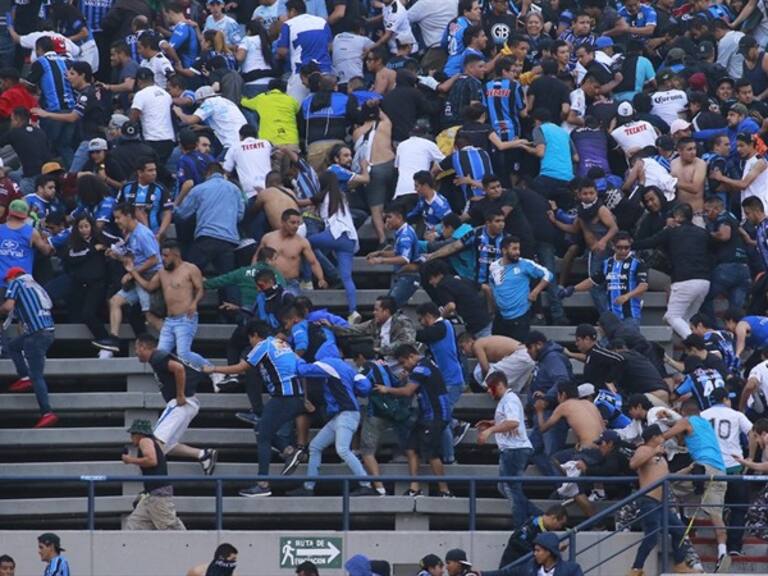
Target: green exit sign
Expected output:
[323,552]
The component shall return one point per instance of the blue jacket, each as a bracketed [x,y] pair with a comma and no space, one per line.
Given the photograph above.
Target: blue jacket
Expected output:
[218,206]
[552,367]
[530,568]
[341,384]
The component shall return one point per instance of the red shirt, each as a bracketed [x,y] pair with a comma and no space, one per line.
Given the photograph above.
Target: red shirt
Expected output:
[9,192]
[16,97]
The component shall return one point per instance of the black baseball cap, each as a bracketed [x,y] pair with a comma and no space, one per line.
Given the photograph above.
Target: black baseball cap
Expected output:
[719,394]
[50,539]
[430,561]
[586,331]
[608,436]
[457,555]
[534,337]
[130,130]
[145,74]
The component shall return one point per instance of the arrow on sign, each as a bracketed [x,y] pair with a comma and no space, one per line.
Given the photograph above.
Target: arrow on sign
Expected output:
[330,551]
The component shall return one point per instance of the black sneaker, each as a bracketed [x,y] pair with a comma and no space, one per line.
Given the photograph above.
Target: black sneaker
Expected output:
[364,491]
[208,461]
[459,432]
[249,417]
[735,553]
[301,491]
[412,493]
[255,491]
[292,461]
[110,344]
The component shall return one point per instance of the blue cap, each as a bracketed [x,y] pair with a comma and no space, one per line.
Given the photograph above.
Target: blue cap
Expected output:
[608,436]
[603,42]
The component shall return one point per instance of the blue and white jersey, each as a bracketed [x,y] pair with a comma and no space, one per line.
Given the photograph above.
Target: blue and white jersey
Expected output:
[406,244]
[307,38]
[453,42]
[94,12]
[503,98]
[700,384]
[185,43]
[33,305]
[224,118]
[341,384]
[511,285]
[432,396]
[142,245]
[620,277]
[645,17]
[609,405]
[277,364]
[57,567]
[431,211]
[343,175]
[152,198]
[227,26]
[317,341]
[41,206]
[101,212]
[722,341]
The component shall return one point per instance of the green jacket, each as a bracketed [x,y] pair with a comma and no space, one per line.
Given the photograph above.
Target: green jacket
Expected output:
[245,279]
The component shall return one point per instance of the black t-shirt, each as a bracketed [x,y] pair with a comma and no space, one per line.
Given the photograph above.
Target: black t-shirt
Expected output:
[638,374]
[111,167]
[93,107]
[470,305]
[534,207]
[600,71]
[516,222]
[25,18]
[30,145]
[499,29]
[478,135]
[346,24]
[165,379]
[732,251]
[550,93]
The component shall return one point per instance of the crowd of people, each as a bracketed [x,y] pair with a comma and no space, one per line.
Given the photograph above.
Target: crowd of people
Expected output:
[166,149]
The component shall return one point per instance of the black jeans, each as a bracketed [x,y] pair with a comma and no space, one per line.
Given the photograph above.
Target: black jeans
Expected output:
[516,328]
[277,412]
[737,496]
[87,301]
[221,255]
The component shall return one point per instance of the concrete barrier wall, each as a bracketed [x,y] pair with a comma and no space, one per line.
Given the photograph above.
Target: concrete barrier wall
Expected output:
[107,553]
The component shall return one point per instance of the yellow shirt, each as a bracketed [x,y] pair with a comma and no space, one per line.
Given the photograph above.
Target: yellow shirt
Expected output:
[277,116]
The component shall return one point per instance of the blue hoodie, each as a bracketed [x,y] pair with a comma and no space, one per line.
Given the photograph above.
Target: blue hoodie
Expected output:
[552,367]
[358,565]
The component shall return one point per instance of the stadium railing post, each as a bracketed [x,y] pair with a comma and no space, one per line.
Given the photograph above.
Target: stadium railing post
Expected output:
[665,536]
[572,545]
[472,505]
[91,505]
[345,506]
[219,505]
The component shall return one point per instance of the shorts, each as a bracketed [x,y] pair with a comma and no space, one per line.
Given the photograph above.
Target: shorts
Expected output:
[383,179]
[713,500]
[426,438]
[373,429]
[174,421]
[136,295]
[517,367]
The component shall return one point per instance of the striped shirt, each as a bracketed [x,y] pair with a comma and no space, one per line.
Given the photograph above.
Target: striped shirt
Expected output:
[57,567]
[619,278]
[94,12]
[503,98]
[33,305]
[49,72]
[472,162]
[277,365]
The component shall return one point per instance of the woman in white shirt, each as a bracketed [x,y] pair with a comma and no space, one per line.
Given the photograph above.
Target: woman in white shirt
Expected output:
[254,52]
[339,236]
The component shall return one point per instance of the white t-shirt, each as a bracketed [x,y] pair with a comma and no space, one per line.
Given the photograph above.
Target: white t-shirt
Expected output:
[340,222]
[252,159]
[413,155]
[759,373]
[348,55]
[667,105]
[254,59]
[28,41]
[579,106]
[728,55]
[759,186]
[396,21]
[510,408]
[154,103]
[161,67]
[432,17]
[224,118]
[729,425]
[634,135]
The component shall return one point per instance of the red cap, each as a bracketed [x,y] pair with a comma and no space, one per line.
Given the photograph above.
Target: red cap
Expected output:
[698,82]
[13,272]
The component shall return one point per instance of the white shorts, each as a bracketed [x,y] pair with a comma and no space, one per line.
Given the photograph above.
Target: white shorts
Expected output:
[517,367]
[174,421]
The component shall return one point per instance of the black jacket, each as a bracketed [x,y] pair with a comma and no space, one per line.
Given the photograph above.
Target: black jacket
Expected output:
[687,248]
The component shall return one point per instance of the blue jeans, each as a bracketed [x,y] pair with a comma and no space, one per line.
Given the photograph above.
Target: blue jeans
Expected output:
[339,430]
[278,411]
[512,462]
[546,444]
[28,355]
[80,157]
[454,395]
[546,254]
[652,521]
[729,279]
[594,266]
[403,287]
[344,249]
[60,135]
[178,332]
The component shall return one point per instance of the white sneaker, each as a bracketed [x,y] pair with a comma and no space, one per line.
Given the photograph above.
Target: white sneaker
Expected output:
[596,496]
[306,285]
[105,354]
[568,490]
[354,318]
[216,380]
[382,491]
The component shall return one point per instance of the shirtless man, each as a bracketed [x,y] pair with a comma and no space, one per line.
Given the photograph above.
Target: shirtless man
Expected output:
[582,416]
[182,285]
[274,201]
[376,61]
[290,248]
[499,354]
[650,463]
[691,174]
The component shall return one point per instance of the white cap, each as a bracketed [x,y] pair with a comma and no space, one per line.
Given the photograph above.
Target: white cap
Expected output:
[97,144]
[678,125]
[625,110]
[204,92]
[586,389]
